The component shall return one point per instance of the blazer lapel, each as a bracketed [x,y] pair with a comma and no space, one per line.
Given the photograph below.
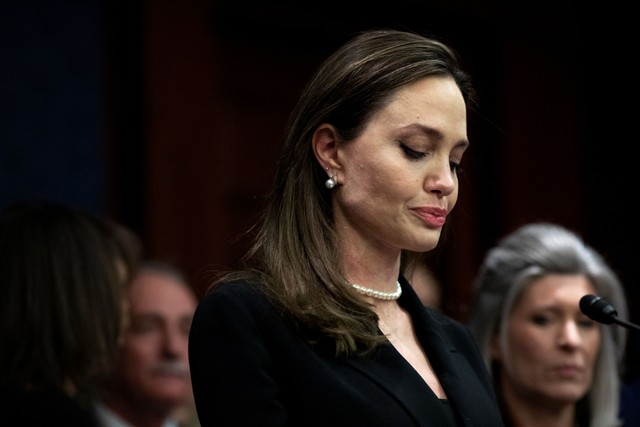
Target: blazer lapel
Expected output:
[465,391]
[390,371]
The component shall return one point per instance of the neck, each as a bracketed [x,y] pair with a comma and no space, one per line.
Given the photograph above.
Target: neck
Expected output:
[138,414]
[527,412]
[372,266]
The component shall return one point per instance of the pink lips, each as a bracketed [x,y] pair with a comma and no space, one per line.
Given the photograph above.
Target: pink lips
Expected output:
[433,216]
[568,371]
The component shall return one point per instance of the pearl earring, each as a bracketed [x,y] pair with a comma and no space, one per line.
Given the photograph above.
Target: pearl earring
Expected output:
[331,182]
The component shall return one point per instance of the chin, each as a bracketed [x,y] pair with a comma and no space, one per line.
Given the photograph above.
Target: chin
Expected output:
[171,397]
[173,389]
[426,246]
[568,394]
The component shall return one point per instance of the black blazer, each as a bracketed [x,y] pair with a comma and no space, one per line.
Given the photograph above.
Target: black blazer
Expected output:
[250,366]
[45,408]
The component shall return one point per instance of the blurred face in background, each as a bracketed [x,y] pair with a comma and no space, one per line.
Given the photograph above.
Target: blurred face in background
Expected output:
[552,347]
[154,366]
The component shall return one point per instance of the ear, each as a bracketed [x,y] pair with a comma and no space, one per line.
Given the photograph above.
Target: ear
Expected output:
[325,146]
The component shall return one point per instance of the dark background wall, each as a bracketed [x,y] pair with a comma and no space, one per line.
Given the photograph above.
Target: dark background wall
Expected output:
[52,105]
[167,116]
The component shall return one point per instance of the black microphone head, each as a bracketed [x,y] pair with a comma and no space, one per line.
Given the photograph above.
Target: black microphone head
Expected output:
[598,309]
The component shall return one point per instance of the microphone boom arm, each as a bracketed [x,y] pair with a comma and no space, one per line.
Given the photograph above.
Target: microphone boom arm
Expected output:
[602,311]
[626,324]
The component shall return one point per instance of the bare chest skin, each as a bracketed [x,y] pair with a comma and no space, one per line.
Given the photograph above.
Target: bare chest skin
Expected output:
[396,324]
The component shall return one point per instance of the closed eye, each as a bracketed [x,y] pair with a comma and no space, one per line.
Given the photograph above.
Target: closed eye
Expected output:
[540,320]
[412,154]
[417,155]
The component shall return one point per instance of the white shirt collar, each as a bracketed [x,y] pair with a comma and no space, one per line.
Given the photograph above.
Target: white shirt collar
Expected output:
[108,418]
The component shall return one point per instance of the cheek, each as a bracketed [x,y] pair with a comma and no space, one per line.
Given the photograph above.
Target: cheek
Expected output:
[592,344]
[142,347]
[132,364]
[527,347]
[377,186]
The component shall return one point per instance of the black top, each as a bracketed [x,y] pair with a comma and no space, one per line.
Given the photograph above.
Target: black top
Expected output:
[44,409]
[251,366]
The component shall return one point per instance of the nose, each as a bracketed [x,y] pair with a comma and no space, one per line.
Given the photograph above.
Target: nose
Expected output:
[442,176]
[570,336]
[174,342]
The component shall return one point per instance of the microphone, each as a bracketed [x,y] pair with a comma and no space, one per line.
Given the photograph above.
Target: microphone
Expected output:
[602,311]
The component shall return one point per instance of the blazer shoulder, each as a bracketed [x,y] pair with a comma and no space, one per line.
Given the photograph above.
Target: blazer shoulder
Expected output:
[237,298]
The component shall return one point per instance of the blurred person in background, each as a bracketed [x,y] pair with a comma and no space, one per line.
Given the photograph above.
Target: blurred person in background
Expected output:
[152,385]
[63,278]
[552,366]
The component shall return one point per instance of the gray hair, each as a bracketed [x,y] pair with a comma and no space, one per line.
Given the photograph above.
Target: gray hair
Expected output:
[533,251]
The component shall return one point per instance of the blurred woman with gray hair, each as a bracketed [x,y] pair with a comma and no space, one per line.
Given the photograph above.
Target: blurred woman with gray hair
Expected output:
[551,365]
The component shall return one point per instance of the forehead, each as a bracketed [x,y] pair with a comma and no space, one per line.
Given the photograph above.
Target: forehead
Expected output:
[435,102]
[439,93]
[153,290]
[556,289]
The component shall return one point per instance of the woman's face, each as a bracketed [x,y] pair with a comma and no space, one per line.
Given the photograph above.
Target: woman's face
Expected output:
[398,179]
[552,346]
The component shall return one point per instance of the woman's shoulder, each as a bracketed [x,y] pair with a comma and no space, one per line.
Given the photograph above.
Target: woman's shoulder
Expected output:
[234,290]
[241,309]
[236,296]
[235,287]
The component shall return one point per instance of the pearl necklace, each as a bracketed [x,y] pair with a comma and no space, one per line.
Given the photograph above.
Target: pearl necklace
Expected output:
[379,294]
